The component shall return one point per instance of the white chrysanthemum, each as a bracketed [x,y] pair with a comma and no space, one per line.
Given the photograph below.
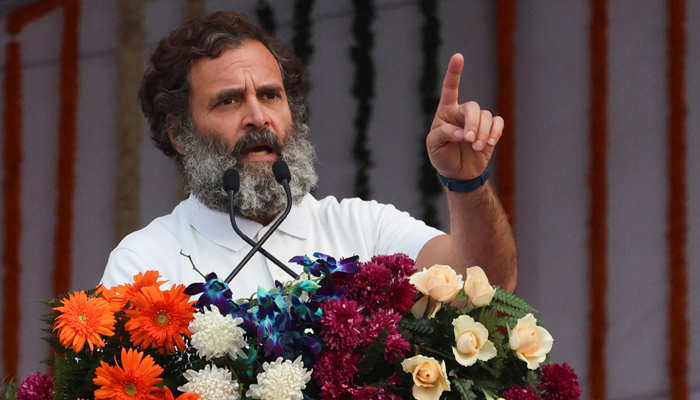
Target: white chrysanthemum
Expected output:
[214,335]
[281,381]
[211,383]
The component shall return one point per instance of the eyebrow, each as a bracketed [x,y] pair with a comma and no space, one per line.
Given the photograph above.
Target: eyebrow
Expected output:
[233,92]
[224,94]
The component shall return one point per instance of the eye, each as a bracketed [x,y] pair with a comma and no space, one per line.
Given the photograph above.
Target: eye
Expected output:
[270,95]
[227,102]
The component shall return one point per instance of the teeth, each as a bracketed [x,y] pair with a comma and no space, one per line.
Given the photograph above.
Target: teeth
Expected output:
[257,153]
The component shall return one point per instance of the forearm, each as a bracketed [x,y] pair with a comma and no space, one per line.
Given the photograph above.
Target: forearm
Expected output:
[481,235]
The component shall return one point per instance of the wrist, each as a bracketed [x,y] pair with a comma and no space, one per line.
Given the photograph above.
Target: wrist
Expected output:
[464,186]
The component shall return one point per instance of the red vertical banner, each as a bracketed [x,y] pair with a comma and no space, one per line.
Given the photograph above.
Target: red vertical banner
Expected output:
[63,251]
[11,263]
[676,213]
[12,221]
[506,17]
[598,192]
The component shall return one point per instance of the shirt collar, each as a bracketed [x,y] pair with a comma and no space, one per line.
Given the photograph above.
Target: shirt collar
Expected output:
[216,226]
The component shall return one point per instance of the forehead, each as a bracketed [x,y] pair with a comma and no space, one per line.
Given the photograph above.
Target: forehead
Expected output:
[251,61]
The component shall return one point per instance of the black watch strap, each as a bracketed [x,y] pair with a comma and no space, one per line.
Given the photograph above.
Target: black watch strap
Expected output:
[454,185]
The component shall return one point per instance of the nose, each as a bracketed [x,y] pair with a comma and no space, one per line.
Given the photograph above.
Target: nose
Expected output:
[255,116]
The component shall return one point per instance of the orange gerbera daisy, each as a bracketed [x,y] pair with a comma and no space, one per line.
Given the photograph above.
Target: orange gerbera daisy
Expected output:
[109,296]
[84,319]
[185,396]
[160,318]
[126,292]
[135,381]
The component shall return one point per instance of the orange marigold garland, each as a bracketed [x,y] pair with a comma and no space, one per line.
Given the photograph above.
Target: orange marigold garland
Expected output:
[135,380]
[160,318]
[84,319]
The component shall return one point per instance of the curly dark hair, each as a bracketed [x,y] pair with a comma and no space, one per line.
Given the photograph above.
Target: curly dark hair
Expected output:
[165,88]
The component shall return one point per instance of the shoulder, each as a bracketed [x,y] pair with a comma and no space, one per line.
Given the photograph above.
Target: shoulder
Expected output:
[354,205]
[149,248]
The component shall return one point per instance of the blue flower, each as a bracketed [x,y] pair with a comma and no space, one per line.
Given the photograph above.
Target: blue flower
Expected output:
[214,291]
[315,267]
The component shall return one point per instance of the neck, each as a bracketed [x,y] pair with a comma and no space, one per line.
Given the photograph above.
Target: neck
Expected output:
[263,220]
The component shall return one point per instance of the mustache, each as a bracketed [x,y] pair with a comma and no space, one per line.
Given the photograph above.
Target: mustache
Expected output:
[257,138]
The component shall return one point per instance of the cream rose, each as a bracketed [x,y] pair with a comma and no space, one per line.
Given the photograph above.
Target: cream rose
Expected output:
[477,287]
[440,284]
[429,377]
[531,343]
[471,339]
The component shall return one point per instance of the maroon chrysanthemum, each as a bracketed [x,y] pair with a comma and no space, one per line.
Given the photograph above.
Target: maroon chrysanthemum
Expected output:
[336,368]
[370,286]
[395,344]
[518,393]
[36,386]
[336,391]
[399,264]
[559,382]
[341,323]
[373,393]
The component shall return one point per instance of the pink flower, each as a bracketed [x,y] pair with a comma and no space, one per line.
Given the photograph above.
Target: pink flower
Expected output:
[559,382]
[336,391]
[381,283]
[36,387]
[373,393]
[518,393]
[341,323]
[395,343]
[336,368]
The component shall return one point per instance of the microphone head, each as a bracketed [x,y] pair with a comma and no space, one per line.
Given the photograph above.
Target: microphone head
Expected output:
[281,171]
[232,180]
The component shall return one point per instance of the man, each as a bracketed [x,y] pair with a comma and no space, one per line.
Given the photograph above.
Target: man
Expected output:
[220,93]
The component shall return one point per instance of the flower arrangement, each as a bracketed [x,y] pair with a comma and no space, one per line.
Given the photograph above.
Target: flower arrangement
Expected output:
[342,330]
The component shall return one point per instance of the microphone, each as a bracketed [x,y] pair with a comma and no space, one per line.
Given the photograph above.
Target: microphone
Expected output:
[231,184]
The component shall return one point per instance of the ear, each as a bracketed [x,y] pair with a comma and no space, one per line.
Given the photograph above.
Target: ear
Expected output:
[172,122]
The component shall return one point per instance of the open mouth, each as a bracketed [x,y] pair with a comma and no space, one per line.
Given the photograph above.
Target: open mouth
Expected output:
[257,151]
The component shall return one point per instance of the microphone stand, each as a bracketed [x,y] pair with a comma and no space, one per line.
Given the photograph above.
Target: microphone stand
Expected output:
[252,242]
[258,246]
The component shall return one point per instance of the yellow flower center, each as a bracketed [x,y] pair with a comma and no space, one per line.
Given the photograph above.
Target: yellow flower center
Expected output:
[428,373]
[83,318]
[162,318]
[130,389]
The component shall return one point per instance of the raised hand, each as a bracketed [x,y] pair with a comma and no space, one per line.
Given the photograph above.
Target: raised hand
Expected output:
[462,137]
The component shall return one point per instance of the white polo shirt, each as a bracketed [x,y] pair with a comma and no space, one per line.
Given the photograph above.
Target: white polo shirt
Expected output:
[339,229]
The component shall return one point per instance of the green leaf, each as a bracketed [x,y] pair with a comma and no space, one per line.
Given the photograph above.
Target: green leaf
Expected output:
[421,325]
[8,391]
[508,310]
[373,354]
[464,387]
[508,298]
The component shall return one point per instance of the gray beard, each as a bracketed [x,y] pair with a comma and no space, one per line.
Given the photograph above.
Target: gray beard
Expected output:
[259,196]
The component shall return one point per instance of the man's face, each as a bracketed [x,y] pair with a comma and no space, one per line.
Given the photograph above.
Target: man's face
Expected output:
[240,91]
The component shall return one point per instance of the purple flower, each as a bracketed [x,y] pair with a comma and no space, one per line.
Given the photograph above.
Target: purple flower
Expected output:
[214,291]
[315,268]
[36,387]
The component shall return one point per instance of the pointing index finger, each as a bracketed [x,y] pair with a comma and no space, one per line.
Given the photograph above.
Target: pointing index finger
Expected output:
[450,86]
